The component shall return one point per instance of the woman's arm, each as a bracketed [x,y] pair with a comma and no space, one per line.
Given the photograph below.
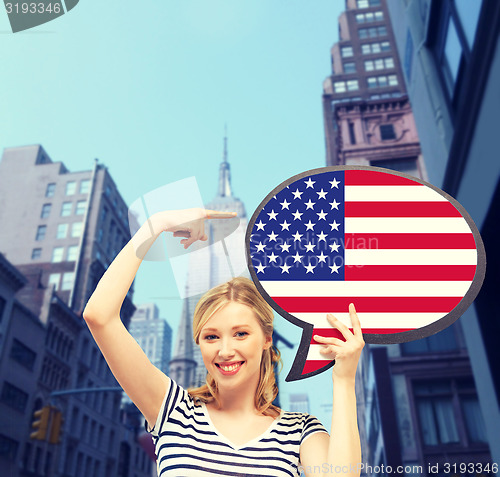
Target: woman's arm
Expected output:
[144,383]
[339,453]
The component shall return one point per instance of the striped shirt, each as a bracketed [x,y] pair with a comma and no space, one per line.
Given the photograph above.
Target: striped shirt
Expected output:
[188,444]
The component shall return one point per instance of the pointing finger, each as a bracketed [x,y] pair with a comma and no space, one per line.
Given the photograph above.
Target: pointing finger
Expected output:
[217,214]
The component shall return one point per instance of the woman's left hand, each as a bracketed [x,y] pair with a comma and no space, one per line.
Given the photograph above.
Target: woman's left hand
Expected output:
[345,353]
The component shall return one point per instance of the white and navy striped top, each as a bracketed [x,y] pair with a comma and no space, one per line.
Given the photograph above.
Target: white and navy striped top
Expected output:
[188,444]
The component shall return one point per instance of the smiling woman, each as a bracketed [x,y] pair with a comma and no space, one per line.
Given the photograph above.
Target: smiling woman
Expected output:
[229,426]
[233,325]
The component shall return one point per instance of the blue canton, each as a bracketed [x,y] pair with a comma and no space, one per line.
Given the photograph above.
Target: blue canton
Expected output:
[299,234]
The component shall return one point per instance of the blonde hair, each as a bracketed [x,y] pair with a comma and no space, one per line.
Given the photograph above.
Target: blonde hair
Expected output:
[240,290]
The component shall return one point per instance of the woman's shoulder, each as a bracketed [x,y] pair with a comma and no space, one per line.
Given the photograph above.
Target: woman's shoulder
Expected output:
[301,420]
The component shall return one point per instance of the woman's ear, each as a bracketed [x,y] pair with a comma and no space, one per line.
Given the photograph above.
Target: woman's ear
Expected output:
[269,342]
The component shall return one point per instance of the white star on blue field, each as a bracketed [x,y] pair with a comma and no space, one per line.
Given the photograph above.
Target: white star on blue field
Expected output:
[299,233]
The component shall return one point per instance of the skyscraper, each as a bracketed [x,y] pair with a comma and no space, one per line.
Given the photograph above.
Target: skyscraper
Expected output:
[62,227]
[153,334]
[209,266]
[451,55]
[59,231]
[367,115]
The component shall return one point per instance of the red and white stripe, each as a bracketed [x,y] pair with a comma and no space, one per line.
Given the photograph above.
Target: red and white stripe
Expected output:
[410,257]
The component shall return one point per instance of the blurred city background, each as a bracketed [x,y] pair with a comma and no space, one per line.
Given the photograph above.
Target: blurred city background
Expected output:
[108,103]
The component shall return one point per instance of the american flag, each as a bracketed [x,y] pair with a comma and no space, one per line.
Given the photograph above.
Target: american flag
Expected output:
[398,249]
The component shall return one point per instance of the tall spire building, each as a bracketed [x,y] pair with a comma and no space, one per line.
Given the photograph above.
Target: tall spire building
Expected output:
[222,259]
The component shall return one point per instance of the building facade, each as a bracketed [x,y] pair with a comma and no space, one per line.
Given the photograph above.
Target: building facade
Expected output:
[450,50]
[417,402]
[367,115]
[153,334]
[59,232]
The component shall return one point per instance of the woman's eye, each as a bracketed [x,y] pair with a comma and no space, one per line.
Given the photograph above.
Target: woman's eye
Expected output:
[210,337]
[240,334]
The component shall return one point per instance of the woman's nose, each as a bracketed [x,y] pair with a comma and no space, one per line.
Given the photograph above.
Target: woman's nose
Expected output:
[226,349]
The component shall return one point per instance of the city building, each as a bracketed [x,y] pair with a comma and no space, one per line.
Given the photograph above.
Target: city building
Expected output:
[153,334]
[59,232]
[367,115]
[417,402]
[451,56]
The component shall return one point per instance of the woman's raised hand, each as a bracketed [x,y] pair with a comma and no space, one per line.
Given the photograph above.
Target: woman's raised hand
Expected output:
[187,223]
[345,353]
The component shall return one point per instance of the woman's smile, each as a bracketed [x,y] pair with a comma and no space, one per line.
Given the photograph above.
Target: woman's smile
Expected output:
[228,369]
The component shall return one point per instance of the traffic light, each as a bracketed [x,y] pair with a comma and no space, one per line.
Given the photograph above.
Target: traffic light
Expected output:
[55,427]
[40,423]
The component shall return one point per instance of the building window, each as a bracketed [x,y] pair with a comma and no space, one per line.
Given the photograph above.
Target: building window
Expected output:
[367,3]
[22,354]
[8,448]
[45,211]
[70,187]
[80,207]
[349,68]
[62,231]
[40,232]
[76,229]
[393,80]
[372,32]
[346,51]
[372,48]
[72,253]
[369,17]
[446,406]
[343,86]
[104,214]
[50,190]
[54,279]
[457,21]
[379,64]
[468,16]
[339,86]
[67,280]
[382,81]
[66,209]
[352,135]
[36,253]
[444,341]
[407,165]
[57,254]
[14,397]
[84,186]
[352,85]
[387,132]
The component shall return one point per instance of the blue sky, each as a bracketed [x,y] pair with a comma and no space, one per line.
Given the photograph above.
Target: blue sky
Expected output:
[147,87]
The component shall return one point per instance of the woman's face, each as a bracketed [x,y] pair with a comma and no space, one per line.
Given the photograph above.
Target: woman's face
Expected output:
[231,344]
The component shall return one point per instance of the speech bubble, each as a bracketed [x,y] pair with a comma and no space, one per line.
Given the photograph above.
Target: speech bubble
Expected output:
[25,14]
[222,250]
[404,252]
